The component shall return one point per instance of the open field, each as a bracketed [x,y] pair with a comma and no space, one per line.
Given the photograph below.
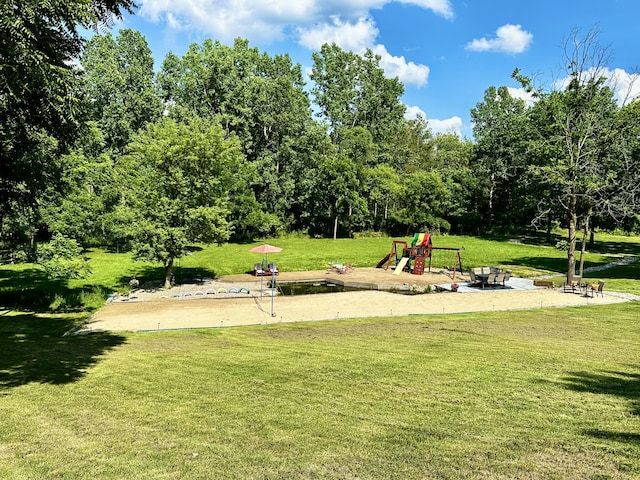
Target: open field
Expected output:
[552,393]
[541,393]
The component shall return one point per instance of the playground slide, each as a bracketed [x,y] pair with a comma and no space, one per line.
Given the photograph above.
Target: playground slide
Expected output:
[401,265]
[383,261]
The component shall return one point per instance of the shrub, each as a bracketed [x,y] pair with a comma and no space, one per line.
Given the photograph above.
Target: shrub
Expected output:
[562,245]
[62,258]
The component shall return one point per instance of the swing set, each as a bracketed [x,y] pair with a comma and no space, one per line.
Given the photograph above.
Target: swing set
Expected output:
[415,257]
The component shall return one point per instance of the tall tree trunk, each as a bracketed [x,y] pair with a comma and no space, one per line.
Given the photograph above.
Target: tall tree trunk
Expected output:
[571,250]
[168,270]
[491,188]
[335,221]
[583,250]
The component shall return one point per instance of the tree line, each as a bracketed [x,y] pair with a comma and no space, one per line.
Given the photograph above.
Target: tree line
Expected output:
[230,143]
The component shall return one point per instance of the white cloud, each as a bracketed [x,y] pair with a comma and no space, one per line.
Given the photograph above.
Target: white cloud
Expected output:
[258,20]
[449,125]
[359,36]
[509,39]
[522,94]
[309,22]
[348,36]
[407,72]
[412,113]
[266,20]
[625,86]
[441,7]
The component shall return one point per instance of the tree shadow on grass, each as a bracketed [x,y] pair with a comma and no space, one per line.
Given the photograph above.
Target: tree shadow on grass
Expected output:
[34,348]
[599,246]
[153,277]
[557,264]
[30,290]
[620,384]
[542,263]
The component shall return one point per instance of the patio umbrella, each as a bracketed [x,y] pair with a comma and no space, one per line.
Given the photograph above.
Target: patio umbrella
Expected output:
[266,249]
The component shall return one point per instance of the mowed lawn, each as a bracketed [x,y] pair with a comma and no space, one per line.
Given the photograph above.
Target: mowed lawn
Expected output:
[535,394]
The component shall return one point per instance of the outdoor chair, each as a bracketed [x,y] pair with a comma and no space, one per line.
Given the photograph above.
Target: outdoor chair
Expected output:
[491,279]
[272,269]
[597,288]
[473,280]
[500,279]
[572,287]
[258,270]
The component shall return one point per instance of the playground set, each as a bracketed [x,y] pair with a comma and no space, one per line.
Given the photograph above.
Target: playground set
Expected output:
[416,257]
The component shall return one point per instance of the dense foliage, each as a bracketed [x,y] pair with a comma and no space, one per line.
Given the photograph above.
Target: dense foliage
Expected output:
[41,108]
[116,154]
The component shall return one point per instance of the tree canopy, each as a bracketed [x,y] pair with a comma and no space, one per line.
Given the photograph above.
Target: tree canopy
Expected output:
[227,142]
[40,108]
[176,184]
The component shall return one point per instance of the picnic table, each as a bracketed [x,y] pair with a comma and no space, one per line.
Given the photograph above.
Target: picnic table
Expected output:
[488,276]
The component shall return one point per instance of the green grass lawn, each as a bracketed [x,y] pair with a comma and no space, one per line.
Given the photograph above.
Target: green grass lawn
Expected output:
[26,288]
[527,394]
[298,254]
[535,394]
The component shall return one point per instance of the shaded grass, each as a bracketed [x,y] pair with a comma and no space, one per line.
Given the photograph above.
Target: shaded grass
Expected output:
[36,348]
[538,394]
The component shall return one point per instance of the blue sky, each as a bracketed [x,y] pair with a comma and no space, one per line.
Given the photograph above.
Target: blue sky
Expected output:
[446,52]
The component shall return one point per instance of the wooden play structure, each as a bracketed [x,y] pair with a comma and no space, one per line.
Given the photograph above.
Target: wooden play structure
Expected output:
[416,257]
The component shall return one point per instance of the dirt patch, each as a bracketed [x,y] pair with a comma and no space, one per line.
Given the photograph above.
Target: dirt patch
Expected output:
[172,309]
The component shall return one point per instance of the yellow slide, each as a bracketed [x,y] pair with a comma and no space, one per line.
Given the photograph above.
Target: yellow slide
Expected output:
[401,265]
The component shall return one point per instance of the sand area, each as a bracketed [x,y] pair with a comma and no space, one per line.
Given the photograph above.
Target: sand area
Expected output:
[194,305]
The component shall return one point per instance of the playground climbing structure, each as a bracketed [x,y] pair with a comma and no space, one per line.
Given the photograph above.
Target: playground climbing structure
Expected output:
[417,256]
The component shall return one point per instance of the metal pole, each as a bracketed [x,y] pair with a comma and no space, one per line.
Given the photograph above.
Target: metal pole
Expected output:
[273,289]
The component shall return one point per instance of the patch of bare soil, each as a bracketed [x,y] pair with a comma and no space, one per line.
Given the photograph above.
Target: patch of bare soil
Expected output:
[195,306]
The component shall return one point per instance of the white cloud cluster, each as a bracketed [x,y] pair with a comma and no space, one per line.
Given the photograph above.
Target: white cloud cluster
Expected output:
[522,94]
[509,39]
[265,20]
[449,125]
[313,22]
[625,86]
[407,72]
[349,36]
[359,36]
[413,112]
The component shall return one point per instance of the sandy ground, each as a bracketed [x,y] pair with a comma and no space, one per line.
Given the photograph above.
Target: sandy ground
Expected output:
[171,309]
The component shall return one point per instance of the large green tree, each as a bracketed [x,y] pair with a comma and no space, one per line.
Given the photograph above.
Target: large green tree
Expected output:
[78,209]
[452,158]
[176,183]
[502,133]
[352,91]
[581,146]
[260,99]
[39,109]
[119,85]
